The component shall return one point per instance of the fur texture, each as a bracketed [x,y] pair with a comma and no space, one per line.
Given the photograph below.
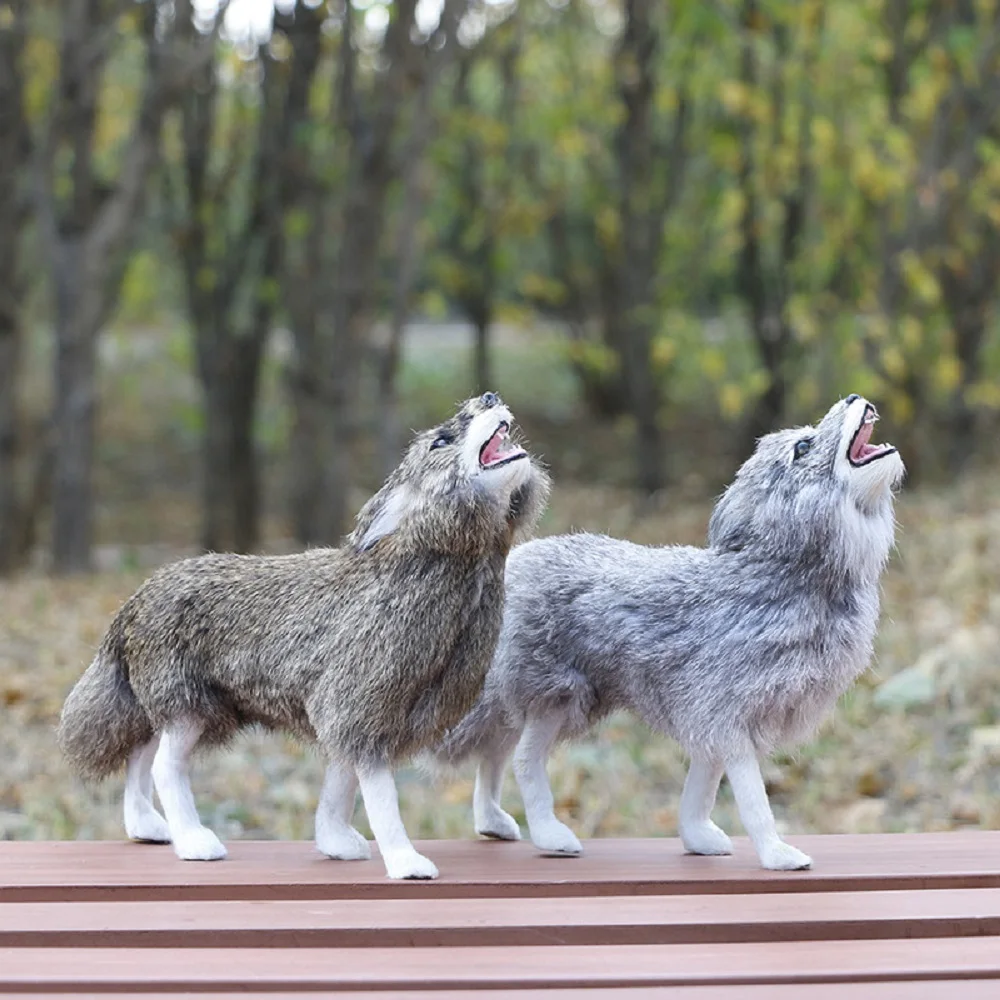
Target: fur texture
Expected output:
[373,649]
[731,649]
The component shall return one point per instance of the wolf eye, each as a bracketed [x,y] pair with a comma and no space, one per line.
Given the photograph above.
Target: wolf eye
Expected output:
[802,447]
[442,441]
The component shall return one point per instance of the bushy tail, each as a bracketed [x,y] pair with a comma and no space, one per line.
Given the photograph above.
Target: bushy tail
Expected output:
[486,722]
[102,721]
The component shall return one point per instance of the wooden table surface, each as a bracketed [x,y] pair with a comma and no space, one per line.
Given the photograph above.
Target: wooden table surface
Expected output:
[907,916]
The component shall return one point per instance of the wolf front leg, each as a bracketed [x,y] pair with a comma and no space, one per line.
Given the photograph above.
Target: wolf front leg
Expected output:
[192,841]
[698,833]
[335,837]
[755,812]
[378,789]
[547,832]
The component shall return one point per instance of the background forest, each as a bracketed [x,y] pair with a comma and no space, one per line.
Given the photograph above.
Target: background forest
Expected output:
[244,251]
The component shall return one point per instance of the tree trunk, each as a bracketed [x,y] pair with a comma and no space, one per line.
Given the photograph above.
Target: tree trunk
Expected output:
[74,415]
[773,350]
[230,473]
[307,462]
[482,373]
[15,152]
[10,506]
[639,379]
[89,225]
[643,205]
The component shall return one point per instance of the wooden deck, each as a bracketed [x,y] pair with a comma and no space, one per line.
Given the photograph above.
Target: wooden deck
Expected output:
[880,917]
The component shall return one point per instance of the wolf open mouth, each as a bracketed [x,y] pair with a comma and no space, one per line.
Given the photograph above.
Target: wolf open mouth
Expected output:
[860,452]
[499,450]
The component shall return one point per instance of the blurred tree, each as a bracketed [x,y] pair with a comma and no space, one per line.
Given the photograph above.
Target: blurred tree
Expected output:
[480,180]
[89,212]
[650,156]
[336,224]
[936,197]
[409,238]
[21,480]
[771,107]
[226,189]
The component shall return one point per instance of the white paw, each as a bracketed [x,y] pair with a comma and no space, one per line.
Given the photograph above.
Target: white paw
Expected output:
[555,838]
[498,824]
[782,857]
[409,864]
[148,828]
[343,844]
[199,844]
[706,838]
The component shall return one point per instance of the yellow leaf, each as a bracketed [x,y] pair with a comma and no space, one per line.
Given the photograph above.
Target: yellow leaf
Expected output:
[663,352]
[802,318]
[911,333]
[731,400]
[948,372]
[893,362]
[985,393]
[608,226]
[881,50]
[731,207]
[713,363]
[734,96]
[901,407]
[824,137]
[918,278]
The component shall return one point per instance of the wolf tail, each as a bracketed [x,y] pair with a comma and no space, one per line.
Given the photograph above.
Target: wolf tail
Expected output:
[102,721]
[486,722]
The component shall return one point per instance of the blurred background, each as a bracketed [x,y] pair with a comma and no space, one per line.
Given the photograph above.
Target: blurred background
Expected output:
[245,250]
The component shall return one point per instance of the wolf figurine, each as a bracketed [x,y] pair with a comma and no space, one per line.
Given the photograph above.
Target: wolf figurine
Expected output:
[372,650]
[733,649]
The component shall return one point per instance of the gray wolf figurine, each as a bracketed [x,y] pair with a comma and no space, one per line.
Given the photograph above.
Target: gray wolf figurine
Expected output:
[372,650]
[732,650]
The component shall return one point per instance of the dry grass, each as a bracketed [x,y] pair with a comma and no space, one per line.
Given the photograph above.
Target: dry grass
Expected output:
[931,767]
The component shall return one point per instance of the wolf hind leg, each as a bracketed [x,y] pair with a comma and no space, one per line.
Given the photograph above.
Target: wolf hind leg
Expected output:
[755,812]
[142,820]
[698,833]
[547,832]
[378,789]
[335,837]
[192,841]
[489,816]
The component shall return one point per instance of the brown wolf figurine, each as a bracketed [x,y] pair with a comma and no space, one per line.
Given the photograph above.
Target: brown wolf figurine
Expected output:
[373,650]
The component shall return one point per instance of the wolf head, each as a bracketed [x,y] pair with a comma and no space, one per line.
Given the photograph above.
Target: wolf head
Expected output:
[467,471]
[814,491]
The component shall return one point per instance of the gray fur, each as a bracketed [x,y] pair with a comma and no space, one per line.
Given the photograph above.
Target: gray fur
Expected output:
[732,649]
[372,649]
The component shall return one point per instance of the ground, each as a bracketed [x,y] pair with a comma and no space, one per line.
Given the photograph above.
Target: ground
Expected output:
[914,746]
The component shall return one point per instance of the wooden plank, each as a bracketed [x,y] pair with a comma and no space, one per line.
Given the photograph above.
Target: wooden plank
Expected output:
[66,870]
[403,923]
[967,989]
[439,969]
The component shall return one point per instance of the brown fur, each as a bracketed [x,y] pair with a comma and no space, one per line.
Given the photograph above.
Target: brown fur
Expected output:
[373,649]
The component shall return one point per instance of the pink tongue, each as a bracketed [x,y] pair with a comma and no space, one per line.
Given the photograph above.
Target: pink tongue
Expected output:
[493,449]
[861,448]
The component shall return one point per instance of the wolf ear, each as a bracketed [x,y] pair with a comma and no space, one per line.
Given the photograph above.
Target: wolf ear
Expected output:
[390,509]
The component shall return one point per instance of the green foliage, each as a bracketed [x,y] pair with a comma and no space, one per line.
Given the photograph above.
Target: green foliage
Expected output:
[875,120]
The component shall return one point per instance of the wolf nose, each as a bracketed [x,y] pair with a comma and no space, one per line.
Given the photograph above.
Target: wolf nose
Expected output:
[850,399]
[489,399]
